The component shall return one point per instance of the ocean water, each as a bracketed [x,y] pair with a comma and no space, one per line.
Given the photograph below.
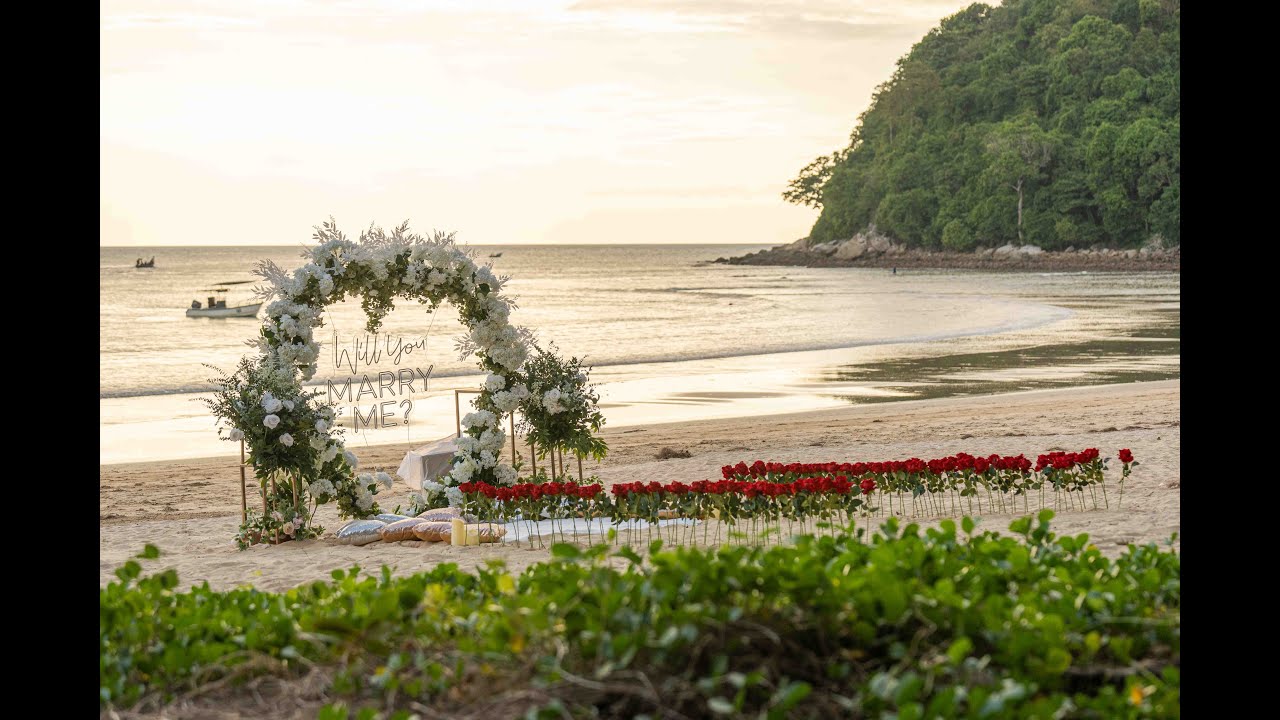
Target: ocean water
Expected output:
[672,335]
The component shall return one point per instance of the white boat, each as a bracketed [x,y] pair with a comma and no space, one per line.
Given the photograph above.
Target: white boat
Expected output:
[224,311]
[216,305]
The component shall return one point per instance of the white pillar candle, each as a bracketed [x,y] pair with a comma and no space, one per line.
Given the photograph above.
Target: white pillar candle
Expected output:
[473,535]
[458,533]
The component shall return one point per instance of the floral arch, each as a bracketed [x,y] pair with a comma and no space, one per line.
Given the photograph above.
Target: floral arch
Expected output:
[297,453]
[378,268]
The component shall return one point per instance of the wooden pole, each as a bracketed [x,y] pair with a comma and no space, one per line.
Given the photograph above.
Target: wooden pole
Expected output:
[533,458]
[579,468]
[457,410]
[512,428]
[244,497]
[275,534]
[296,507]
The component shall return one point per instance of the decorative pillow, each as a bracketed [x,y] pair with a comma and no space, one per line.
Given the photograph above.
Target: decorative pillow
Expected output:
[391,517]
[434,531]
[360,532]
[399,530]
[444,514]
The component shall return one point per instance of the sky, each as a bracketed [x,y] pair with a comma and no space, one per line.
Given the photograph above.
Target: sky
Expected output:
[521,121]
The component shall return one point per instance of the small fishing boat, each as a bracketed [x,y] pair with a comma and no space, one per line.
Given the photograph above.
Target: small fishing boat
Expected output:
[216,305]
[140,265]
[496,255]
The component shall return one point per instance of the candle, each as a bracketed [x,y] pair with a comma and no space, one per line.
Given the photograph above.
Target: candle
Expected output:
[457,535]
[473,535]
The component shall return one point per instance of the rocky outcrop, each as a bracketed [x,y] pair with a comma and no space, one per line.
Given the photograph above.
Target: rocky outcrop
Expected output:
[874,249]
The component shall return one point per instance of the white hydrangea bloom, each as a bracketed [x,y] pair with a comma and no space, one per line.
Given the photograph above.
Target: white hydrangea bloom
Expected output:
[505,474]
[479,418]
[321,426]
[455,496]
[494,383]
[383,479]
[330,452]
[551,401]
[351,458]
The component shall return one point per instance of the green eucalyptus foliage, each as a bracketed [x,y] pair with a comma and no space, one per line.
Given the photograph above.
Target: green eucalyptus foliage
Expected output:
[1067,109]
[907,623]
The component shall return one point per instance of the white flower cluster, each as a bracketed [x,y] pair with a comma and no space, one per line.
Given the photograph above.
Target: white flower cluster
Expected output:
[322,488]
[508,400]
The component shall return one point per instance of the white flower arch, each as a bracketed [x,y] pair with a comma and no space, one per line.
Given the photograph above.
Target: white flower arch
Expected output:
[378,268]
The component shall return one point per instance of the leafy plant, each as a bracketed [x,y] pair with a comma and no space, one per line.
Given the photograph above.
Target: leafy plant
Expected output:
[945,622]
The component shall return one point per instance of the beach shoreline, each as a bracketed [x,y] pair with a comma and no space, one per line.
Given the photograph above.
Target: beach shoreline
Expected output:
[190,508]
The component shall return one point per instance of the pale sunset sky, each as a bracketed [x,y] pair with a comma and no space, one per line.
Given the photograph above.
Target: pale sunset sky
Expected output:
[526,121]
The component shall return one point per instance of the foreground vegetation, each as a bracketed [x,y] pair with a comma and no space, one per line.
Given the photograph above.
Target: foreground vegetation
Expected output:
[1038,121]
[907,622]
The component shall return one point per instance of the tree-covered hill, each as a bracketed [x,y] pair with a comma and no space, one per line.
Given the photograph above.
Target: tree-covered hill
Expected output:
[1040,121]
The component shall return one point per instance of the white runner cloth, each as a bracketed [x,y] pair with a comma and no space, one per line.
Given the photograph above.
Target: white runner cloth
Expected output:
[521,531]
[427,462]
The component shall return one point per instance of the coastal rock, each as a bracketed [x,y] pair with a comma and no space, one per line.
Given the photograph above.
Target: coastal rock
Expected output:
[1006,249]
[1131,253]
[1070,249]
[798,246]
[827,248]
[1030,250]
[876,242]
[852,249]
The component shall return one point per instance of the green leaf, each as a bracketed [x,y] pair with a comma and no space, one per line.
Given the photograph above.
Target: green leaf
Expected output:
[565,551]
[959,650]
[150,552]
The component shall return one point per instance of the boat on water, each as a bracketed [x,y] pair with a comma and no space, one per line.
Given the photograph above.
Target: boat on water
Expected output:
[216,305]
[496,255]
[140,265]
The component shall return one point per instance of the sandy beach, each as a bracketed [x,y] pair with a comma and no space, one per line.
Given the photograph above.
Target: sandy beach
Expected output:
[190,509]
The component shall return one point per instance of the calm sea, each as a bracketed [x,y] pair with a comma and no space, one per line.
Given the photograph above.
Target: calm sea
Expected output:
[652,312]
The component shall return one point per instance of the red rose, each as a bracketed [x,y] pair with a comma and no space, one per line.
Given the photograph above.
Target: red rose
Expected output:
[868,486]
[1126,456]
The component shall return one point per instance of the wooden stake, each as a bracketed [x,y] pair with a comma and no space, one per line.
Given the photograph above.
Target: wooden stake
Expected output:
[457,411]
[275,534]
[533,458]
[513,437]
[579,468]
[244,497]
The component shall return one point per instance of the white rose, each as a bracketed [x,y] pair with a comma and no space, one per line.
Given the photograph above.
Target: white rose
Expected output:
[235,434]
[286,440]
[271,421]
[321,426]
[270,403]
[288,405]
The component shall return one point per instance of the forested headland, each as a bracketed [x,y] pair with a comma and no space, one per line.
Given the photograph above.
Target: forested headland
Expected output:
[1038,122]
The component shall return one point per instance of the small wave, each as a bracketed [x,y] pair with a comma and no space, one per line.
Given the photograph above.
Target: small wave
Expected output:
[1049,314]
